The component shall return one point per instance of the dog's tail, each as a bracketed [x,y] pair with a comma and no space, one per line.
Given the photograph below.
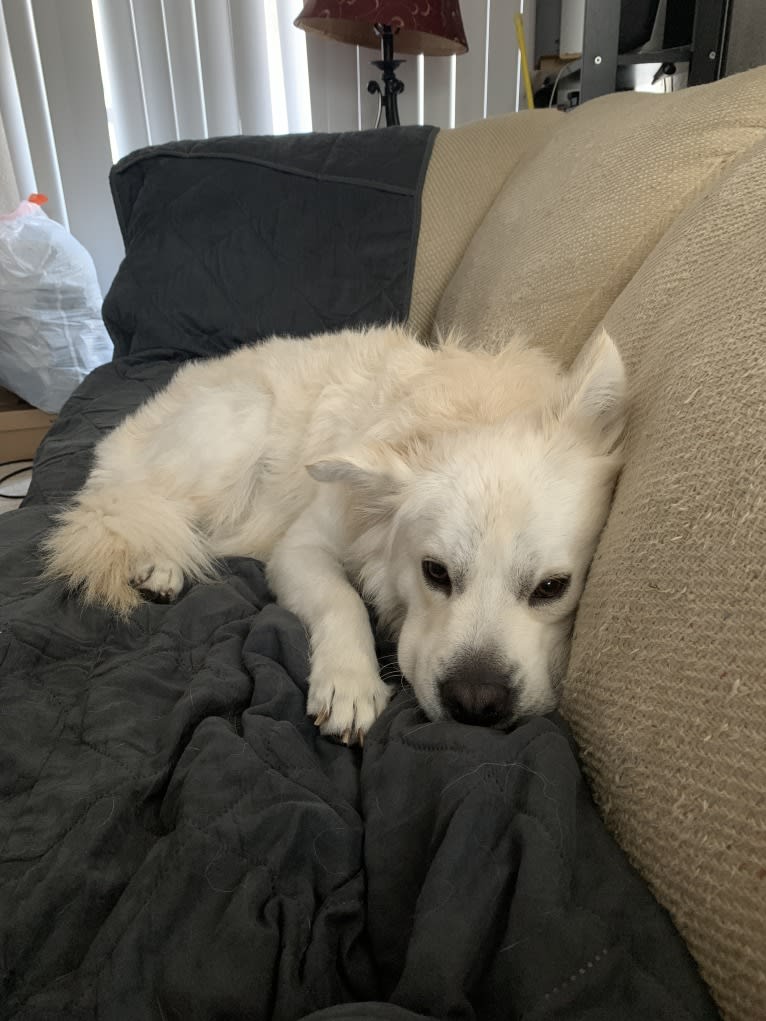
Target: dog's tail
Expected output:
[111,532]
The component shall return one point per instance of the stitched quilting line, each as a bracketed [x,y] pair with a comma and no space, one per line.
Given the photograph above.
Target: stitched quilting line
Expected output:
[35,856]
[495,767]
[67,722]
[575,976]
[281,769]
[173,636]
[543,1003]
[54,746]
[248,612]
[158,307]
[461,750]
[174,852]
[400,281]
[199,258]
[582,970]
[89,975]
[288,774]
[249,216]
[418,746]
[354,182]
[64,721]
[149,779]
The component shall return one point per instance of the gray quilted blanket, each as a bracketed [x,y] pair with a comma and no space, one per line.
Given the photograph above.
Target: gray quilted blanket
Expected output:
[178,842]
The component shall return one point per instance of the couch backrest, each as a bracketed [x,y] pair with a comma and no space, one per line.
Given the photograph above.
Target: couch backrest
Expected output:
[573,223]
[468,167]
[649,213]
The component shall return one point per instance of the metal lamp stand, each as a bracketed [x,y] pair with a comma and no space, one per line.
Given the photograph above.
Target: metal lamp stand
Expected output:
[392,86]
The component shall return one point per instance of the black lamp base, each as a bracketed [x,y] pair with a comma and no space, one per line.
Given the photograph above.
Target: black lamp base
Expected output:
[392,86]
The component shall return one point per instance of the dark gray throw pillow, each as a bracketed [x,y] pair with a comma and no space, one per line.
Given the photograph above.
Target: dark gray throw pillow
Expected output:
[231,240]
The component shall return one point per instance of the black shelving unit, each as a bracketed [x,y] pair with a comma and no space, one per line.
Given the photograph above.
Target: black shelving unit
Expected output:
[699,39]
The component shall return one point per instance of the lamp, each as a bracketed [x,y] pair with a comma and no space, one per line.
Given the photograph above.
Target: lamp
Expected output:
[432,27]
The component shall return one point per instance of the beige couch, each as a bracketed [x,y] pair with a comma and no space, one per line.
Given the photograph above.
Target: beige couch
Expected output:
[648,213]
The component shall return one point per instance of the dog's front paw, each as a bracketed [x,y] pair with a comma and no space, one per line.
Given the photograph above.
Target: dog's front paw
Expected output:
[160,582]
[345,704]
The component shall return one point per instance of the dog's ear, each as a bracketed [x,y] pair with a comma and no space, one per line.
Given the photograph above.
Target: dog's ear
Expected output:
[594,401]
[377,468]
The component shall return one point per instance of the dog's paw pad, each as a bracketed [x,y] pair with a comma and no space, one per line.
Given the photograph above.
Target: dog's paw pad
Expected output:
[159,582]
[345,707]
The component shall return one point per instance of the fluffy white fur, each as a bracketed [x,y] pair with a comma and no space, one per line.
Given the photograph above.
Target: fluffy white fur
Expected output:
[346,460]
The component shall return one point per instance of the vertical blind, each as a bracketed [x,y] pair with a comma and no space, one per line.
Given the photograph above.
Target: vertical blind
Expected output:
[83,82]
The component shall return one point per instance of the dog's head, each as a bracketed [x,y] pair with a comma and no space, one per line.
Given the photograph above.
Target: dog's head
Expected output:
[478,542]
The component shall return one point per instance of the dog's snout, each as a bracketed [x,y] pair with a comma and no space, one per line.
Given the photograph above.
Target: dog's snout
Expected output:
[480,690]
[481,703]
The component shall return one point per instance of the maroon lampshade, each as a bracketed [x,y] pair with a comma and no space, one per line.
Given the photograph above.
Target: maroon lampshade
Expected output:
[432,27]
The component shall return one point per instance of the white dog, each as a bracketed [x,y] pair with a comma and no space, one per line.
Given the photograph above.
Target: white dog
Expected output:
[461,492]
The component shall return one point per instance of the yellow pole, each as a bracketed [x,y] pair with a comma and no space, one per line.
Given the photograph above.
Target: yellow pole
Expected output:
[518,21]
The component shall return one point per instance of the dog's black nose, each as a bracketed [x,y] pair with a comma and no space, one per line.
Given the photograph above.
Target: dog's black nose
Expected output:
[481,703]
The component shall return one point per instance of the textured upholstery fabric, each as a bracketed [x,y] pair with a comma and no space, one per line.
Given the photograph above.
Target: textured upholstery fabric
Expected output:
[467,169]
[572,225]
[667,682]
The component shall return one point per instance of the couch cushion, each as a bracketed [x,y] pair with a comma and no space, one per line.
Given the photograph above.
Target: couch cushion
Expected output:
[572,225]
[667,682]
[467,169]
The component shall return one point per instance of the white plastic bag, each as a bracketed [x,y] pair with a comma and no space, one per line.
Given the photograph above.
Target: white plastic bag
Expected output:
[51,332]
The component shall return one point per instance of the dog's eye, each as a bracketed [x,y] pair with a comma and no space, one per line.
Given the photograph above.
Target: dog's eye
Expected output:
[436,575]
[549,589]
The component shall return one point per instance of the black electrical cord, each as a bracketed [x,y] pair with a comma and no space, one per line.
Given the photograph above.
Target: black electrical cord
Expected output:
[19,471]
